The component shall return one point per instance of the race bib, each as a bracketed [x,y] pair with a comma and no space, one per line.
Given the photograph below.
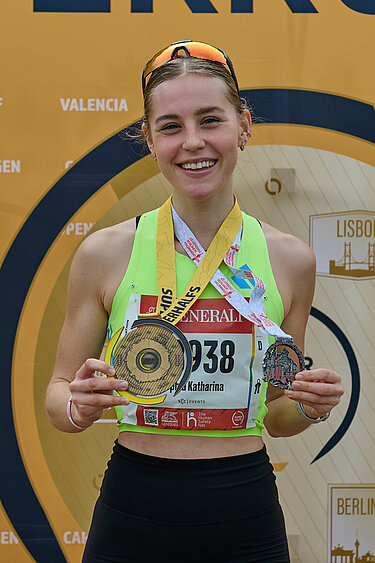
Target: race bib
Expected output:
[224,388]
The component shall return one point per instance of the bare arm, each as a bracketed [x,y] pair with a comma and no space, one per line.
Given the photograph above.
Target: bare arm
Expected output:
[82,338]
[318,390]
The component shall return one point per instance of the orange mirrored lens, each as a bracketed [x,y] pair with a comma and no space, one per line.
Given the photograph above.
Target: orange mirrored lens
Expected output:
[198,50]
[159,60]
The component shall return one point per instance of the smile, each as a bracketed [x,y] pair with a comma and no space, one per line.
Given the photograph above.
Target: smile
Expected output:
[198,165]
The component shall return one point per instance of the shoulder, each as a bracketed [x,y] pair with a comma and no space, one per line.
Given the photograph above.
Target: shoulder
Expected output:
[289,251]
[101,261]
[102,246]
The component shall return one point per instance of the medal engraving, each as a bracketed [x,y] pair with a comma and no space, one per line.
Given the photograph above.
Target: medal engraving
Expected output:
[152,357]
[279,368]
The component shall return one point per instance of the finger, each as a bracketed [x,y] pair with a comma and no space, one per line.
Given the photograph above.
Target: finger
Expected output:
[98,400]
[318,387]
[313,399]
[97,385]
[92,365]
[320,374]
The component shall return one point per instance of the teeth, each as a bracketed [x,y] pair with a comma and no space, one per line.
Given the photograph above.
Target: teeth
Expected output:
[198,165]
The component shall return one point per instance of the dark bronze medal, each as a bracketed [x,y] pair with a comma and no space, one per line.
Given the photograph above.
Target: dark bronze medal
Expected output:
[279,368]
[152,357]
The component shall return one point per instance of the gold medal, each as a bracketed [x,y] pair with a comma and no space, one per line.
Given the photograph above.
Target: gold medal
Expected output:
[152,358]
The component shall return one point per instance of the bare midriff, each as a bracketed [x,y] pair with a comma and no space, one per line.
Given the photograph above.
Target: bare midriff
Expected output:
[189,447]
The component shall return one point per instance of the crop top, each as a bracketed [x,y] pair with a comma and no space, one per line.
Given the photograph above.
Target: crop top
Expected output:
[225,394]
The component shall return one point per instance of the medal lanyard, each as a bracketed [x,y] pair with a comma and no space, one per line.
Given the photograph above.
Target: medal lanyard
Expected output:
[225,246]
[170,307]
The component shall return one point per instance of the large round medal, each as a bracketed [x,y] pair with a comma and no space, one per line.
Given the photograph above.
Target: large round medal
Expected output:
[279,368]
[152,358]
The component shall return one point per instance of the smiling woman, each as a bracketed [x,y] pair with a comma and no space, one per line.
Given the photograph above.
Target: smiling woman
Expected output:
[184,362]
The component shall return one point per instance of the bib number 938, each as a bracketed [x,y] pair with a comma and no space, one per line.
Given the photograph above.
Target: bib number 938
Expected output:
[213,356]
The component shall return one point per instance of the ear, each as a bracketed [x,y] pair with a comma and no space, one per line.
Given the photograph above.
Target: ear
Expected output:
[146,133]
[245,127]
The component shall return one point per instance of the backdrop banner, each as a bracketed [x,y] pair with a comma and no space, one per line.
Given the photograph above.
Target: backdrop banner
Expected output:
[70,86]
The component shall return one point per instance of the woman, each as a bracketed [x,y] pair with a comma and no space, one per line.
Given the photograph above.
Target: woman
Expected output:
[189,472]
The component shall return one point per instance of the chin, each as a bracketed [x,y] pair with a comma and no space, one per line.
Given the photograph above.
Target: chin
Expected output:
[198,194]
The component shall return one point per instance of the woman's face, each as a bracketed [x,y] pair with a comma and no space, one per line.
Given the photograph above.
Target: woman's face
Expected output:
[195,132]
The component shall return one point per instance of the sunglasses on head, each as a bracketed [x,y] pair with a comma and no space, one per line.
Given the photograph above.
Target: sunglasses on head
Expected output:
[188,48]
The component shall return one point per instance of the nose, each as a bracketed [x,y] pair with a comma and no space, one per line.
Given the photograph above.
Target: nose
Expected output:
[193,138]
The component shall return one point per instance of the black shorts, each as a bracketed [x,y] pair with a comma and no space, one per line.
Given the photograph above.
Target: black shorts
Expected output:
[155,510]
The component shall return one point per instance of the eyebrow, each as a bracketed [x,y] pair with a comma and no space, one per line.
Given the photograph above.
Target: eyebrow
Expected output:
[209,109]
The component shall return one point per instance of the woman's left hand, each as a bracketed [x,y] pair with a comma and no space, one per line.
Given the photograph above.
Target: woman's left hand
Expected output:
[319,390]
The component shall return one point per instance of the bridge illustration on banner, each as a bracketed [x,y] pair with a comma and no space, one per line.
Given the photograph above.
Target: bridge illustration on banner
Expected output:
[348,266]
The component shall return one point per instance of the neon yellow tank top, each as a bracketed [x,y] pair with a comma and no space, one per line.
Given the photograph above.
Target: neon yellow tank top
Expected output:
[225,394]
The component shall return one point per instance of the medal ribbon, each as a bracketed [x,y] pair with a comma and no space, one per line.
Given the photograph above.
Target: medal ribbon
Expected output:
[253,310]
[170,307]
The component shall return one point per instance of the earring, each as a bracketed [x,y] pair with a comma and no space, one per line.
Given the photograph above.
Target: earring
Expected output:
[155,157]
[242,146]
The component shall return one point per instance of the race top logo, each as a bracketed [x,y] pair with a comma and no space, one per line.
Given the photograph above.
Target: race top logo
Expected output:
[196,6]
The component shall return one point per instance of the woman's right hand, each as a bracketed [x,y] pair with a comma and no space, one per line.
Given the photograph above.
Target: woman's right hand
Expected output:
[92,392]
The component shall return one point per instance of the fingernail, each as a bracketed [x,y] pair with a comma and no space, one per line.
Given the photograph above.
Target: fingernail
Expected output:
[299,376]
[296,385]
[124,401]
[289,392]
[111,371]
[123,385]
